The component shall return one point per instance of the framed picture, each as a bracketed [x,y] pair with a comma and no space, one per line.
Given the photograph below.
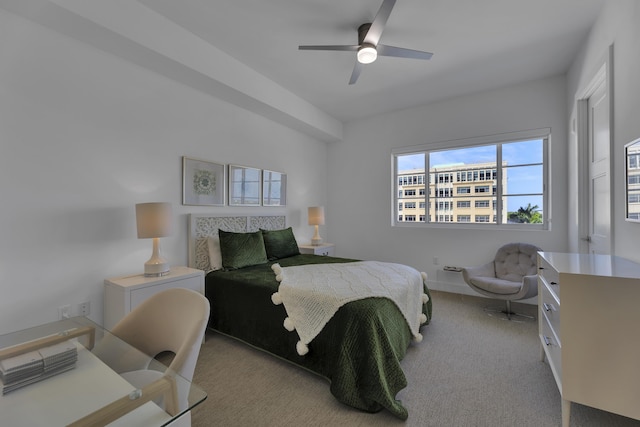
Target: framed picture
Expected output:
[244,186]
[274,188]
[203,183]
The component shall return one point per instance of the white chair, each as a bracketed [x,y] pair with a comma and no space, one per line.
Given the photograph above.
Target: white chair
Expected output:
[511,276]
[173,321]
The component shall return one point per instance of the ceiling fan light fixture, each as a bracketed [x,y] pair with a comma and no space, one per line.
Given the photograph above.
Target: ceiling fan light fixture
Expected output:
[367,53]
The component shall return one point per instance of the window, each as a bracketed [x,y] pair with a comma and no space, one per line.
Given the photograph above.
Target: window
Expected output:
[504,174]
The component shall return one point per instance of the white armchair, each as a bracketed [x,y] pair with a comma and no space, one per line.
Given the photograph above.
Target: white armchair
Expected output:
[510,276]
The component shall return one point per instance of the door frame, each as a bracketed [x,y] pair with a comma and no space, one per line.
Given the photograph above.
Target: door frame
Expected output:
[603,73]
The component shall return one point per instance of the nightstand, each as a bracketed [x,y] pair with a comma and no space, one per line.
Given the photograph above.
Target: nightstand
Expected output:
[122,294]
[326,249]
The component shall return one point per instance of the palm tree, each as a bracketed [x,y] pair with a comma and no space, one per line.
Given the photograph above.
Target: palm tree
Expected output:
[528,214]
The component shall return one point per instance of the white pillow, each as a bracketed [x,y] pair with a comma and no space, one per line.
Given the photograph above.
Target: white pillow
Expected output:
[215,257]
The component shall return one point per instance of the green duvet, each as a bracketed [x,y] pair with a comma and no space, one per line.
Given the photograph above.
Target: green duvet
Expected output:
[358,351]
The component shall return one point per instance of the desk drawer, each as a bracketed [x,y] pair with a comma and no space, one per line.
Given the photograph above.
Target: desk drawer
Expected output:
[552,348]
[548,273]
[550,307]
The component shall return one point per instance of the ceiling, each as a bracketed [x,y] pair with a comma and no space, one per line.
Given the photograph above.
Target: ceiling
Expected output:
[477,45]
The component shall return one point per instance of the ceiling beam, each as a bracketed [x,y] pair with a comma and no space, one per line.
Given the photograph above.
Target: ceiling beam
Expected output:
[131,31]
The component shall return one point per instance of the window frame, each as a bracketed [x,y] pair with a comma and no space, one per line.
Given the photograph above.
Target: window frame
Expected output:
[543,134]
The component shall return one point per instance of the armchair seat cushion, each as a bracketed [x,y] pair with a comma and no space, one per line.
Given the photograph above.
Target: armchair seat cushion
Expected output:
[496,286]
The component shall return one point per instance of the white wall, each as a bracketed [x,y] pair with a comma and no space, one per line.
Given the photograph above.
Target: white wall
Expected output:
[359,213]
[617,25]
[84,136]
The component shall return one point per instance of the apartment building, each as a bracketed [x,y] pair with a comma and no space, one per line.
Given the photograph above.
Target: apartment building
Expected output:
[457,193]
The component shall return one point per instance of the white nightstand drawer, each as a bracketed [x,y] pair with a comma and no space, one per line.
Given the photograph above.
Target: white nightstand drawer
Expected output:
[140,294]
[123,294]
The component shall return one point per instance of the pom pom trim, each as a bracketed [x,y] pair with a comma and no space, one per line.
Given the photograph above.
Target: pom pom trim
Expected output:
[302,348]
[276,298]
[288,324]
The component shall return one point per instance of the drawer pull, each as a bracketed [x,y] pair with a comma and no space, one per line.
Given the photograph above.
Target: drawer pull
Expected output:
[548,307]
[540,268]
[553,283]
[547,340]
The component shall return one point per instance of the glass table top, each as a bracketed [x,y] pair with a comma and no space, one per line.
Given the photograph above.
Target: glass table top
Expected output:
[74,372]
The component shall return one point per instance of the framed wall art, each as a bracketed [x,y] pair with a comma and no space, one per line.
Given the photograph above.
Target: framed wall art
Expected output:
[632,178]
[203,183]
[274,188]
[244,186]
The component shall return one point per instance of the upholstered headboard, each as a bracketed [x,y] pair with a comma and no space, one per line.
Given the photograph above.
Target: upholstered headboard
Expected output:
[202,226]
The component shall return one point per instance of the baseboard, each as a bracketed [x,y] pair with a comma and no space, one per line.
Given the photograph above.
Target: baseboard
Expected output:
[464,289]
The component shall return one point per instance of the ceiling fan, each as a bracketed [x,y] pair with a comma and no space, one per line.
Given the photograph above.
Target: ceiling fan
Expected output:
[368,47]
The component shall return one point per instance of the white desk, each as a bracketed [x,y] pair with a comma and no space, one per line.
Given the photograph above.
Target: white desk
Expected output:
[589,327]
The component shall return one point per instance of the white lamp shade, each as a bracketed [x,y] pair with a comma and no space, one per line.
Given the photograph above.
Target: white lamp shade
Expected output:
[154,220]
[316,215]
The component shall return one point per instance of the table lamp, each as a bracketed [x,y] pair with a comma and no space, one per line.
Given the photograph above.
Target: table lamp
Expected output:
[154,220]
[316,218]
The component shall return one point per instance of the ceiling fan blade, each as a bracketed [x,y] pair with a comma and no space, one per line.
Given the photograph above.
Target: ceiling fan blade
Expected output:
[356,73]
[379,22]
[350,48]
[401,52]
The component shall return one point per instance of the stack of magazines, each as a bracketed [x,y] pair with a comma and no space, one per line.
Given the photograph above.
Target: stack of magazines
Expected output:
[28,368]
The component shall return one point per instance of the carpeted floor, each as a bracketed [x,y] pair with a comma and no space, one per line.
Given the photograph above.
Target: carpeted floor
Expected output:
[470,370]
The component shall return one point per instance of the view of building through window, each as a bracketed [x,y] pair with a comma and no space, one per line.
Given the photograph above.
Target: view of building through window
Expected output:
[633,182]
[466,185]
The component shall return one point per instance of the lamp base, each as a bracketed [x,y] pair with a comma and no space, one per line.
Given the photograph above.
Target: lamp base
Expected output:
[156,266]
[316,240]
[164,273]
[156,269]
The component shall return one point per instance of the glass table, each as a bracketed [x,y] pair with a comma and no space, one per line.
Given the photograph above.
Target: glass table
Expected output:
[83,380]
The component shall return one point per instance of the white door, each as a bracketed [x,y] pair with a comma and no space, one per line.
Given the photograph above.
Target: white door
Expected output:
[599,170]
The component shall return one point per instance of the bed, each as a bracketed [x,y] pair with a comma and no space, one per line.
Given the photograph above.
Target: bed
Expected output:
[359,349]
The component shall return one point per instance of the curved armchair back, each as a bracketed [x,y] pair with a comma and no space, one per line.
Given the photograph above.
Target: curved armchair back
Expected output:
[514,261]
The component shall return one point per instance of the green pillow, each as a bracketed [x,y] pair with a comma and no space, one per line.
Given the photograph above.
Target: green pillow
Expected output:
[280,243]
[241,249]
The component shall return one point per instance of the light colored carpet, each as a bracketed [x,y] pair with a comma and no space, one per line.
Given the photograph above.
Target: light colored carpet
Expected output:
[470,370]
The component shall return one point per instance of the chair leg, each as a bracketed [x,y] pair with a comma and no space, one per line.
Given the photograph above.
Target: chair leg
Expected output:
[507,312]
[510,313]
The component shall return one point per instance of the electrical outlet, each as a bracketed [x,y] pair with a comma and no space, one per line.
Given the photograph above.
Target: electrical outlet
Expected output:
[436,261]
[84,308]
[64,311]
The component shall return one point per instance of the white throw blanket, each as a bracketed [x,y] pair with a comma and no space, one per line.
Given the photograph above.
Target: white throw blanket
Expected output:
[312,294]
